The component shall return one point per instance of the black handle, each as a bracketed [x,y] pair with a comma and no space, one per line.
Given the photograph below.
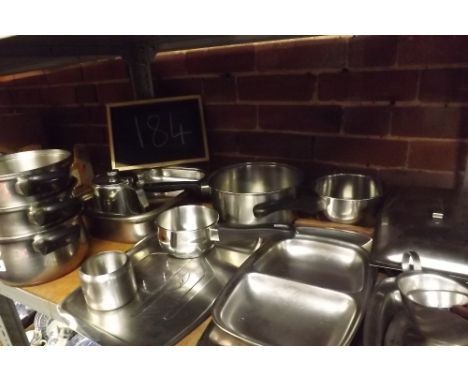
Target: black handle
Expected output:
[24,185]
[50,241]
[233,233]
[309,205]
[173,186]
[53,213]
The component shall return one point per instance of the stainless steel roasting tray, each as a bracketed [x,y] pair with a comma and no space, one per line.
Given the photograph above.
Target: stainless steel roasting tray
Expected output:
[174,296]
[308,290]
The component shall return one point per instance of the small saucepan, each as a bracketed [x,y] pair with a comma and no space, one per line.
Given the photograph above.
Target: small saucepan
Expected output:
[342,198]
[189,231]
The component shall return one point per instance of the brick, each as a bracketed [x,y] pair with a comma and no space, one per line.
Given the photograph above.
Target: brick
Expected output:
[417,50]
[114,92]
[221,60]
[31,79]
[5,98]
[65,115]
[372,51]
[444,85]
[230,117]
[311,53]
[367,120]
[68,136]
[276,145]
[97,114]
[431,122]
[416,178]
[324,119]
[26,96]
[222,142]
[222,89]
[369,86]
[86,94]
[59,95]
[276,87]
[71,75]
[169,64]
[105,70]
[365,151]
[178,87]
[437,156]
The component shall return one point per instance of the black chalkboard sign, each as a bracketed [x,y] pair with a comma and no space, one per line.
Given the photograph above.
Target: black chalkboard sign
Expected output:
[156,132]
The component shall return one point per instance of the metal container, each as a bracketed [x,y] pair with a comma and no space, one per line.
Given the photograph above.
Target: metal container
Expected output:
[108,281]
[163,175]
[29,175]
[44,256]
[434,302]
[236,189]
[17,222]
[117,195]
[191,230]
[342,198]
[125,229]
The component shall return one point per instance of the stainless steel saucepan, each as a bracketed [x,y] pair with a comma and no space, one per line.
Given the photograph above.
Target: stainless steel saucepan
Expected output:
[28,175]
[342,198]
[189,231]
[236,189]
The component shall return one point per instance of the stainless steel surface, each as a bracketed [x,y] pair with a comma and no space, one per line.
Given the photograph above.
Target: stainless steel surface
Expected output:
[169,174]
[348,198]
[44,256]
[107,280]
[320,285]
[406,224]
[29,175]
[174,296]
[117,195]
[190,230]
[387,321]
[26,220]
[237,189]
[432,301]
[126,229]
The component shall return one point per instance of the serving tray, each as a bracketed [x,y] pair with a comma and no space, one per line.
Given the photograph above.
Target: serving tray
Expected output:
[308,290]
[174,296]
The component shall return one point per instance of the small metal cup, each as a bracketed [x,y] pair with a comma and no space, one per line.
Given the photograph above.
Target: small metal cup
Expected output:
[108,281]
[433,303]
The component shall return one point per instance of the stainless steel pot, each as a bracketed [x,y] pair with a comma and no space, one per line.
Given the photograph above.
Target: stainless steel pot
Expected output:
[28,175]
[21,221]
[108,280]
[117,195]
[342,198]
[236,189]
[44,256]
[437,304]
[191,230]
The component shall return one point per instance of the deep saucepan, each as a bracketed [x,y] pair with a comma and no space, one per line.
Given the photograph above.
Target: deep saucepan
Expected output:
[236,189]
[28,175]
[342,198]
[189,231]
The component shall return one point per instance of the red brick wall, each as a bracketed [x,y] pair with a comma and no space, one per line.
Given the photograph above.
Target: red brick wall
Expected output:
[395,106]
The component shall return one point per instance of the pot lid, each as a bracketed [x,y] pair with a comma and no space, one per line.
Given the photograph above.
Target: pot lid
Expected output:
[433,223]
[111,178]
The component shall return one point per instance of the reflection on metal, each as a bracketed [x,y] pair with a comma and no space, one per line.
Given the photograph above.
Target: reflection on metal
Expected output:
[174,296]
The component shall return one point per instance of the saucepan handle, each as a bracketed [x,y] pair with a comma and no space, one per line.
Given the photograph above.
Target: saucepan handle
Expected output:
[308,205]
[410,262]
[51,241]
[24,185]
[233,233]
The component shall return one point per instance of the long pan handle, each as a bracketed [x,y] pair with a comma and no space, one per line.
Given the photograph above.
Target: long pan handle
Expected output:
[308,205]
[173,186]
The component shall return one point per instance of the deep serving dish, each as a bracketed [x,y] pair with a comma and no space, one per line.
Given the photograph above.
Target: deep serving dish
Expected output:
[308,290]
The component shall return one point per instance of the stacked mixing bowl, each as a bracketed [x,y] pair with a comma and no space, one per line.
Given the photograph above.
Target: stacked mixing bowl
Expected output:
[41,231]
